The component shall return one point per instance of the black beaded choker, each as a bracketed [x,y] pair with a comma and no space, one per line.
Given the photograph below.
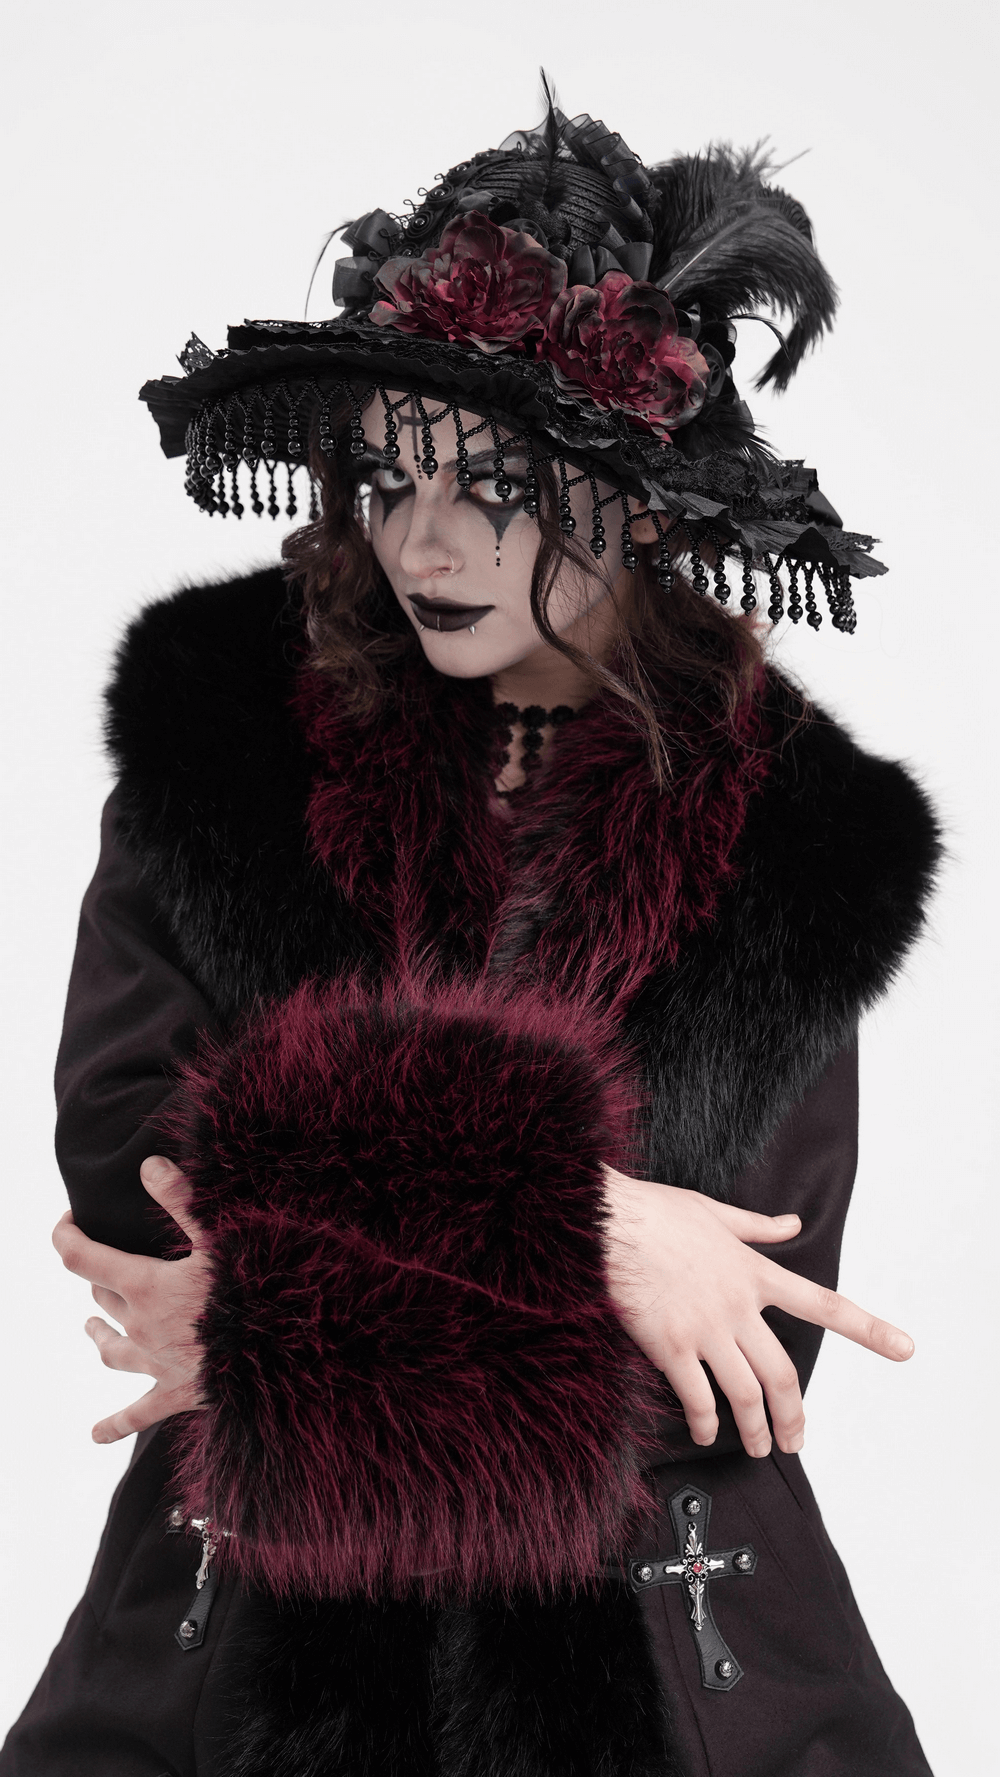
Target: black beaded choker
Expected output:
[532,720]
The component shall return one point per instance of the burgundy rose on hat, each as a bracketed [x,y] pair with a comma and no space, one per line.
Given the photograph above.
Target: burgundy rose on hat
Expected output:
[484,285]
[618,343]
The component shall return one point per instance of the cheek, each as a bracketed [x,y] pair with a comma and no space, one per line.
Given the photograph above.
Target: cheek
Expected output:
[384,542]
[579,589]
[515,539]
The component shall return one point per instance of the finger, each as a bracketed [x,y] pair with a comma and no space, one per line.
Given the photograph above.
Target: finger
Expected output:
[779,1380]
[168,1187]
[694,1391]
[117,1352]
[755,1229]
[158,1403]
[105,1265]
[743,1392]
[112,1303]
[826,1308]
[144,1412]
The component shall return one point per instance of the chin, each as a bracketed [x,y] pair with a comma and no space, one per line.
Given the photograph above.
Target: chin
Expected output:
[460,655]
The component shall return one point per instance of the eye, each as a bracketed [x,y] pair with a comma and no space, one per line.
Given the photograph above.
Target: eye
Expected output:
[484,489]
[391,480]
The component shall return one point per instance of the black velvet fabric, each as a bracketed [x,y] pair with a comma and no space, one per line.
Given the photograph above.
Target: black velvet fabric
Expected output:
[131,1015]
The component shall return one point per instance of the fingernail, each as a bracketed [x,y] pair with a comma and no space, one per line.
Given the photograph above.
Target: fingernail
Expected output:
[902,1346]
[153,1168]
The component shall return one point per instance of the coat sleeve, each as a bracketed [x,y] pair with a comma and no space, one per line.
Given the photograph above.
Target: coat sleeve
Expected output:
[808,1168]
[131,1015]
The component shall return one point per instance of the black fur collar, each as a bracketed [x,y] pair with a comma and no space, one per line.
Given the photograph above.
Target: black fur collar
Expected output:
[833,867]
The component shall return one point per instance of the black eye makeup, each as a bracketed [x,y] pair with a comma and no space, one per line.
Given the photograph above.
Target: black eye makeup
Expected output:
[393,484]
[388,480]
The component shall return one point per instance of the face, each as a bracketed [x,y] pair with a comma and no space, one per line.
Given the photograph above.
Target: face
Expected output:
[438,546]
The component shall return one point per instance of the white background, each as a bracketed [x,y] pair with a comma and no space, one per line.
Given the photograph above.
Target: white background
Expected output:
[175,167]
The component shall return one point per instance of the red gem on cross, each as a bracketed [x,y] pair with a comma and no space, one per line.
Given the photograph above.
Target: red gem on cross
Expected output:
[697,1567]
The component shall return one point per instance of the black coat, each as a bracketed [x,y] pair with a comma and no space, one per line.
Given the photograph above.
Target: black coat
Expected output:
[411,1033]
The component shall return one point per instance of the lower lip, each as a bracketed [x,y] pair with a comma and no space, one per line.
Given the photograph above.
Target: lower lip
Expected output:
[446,621]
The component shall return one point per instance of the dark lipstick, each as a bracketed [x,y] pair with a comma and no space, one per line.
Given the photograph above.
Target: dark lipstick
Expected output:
[446,614]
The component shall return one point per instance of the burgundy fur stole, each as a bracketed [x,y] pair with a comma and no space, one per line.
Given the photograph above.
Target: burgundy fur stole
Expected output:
[588,882]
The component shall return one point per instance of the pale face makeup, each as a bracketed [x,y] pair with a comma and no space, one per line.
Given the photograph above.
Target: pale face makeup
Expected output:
[438,544]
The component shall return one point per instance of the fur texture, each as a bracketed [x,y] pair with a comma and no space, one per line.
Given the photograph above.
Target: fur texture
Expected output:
[835,865]
[339,1687]
[413,1370]
[214,782]
[518,1689]
[441,880]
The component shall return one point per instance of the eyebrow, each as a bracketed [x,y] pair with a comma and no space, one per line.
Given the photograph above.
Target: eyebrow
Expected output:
[484,459]
[480,459]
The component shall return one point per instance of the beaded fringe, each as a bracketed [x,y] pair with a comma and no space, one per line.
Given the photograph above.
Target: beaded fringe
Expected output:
[259,440]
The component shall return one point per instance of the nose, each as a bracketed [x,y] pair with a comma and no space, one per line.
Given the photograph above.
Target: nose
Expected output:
[425,553]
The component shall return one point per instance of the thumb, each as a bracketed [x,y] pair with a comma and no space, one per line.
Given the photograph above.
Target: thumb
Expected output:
[754,1229]
[168,1187]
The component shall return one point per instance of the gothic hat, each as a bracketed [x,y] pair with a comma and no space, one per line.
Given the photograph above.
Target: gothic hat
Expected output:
[581,305]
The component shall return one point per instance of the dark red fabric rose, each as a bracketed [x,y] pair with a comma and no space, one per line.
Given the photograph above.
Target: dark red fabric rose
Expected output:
[484,285]
[618,343]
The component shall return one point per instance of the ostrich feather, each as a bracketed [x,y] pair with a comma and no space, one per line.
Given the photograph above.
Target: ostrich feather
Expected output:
[724,240]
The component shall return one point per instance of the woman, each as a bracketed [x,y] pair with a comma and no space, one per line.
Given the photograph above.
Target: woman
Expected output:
[472,974]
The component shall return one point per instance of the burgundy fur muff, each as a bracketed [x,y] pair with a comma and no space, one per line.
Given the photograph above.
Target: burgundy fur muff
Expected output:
[413,1370]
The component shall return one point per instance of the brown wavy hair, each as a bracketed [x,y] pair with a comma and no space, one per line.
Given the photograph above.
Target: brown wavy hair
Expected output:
[359,633]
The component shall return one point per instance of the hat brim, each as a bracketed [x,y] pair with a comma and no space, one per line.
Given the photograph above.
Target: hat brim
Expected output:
[244,398]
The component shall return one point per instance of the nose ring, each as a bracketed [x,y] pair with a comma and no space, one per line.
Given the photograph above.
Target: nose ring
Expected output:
[451,559]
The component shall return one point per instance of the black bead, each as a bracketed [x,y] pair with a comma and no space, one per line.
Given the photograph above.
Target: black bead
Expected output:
[794,599]
[748,602]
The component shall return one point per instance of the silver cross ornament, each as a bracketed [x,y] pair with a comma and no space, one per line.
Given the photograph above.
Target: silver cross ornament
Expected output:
[191,1630]
[692,1567]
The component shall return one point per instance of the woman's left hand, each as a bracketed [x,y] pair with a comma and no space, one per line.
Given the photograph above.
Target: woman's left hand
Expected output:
[157,1301]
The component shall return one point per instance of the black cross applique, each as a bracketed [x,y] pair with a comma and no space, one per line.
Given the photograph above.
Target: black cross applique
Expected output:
[693,1568]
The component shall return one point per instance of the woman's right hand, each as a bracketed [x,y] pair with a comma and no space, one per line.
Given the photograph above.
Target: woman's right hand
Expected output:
[158,1302]
[691,1291]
